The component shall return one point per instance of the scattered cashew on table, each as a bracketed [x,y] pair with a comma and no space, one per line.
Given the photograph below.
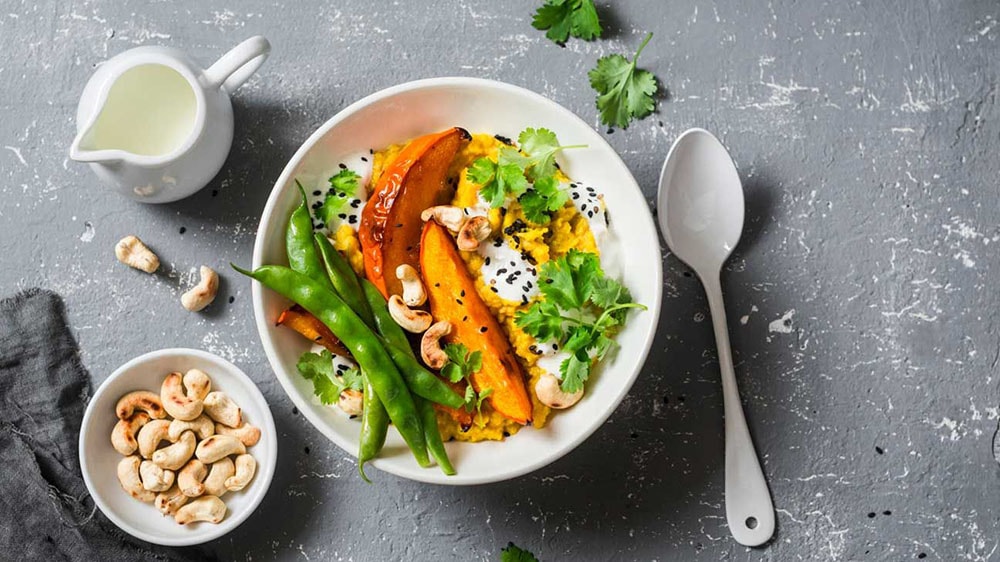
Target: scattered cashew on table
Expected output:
[198,425]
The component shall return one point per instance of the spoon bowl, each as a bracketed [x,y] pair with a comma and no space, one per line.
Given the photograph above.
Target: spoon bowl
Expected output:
[704,217]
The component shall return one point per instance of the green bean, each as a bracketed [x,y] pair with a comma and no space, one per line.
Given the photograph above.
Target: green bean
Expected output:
[374,426]
[302,255]
[344,280]
[395,339]
[420,381]
[363,344]
[435,446]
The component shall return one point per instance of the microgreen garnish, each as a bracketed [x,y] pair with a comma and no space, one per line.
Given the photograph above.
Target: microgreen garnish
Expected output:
[624,92]
[327,385]
[581,310]
[563,18]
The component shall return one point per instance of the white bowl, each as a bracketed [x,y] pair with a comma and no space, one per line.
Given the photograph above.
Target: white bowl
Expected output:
[99,459]
[406,111]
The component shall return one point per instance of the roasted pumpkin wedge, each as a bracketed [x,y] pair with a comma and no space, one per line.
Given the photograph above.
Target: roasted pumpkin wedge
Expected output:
[312,329]
[390,222]
[451,292]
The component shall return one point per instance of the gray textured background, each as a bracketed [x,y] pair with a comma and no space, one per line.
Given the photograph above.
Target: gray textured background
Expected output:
[862,300]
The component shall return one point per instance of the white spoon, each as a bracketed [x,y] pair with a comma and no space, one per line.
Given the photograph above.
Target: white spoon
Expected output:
[700,210]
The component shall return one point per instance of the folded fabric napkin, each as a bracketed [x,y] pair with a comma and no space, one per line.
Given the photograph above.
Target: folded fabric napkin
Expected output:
[46,511]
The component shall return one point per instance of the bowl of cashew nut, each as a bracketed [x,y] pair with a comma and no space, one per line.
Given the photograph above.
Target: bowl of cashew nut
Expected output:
[178,447]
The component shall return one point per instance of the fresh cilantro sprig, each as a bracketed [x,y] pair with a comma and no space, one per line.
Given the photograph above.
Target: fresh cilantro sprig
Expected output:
[514,553]
[327,385]
[337,202]
[563,18]
[509,176]
[581,310]
[624,92]
[462,365]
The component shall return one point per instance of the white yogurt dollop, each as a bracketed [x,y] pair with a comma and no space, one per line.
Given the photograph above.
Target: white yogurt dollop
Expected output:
[507,272]
[319,188]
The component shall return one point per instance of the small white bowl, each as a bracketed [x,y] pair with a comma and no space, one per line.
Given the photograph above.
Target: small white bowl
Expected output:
[415,108]
[99,459]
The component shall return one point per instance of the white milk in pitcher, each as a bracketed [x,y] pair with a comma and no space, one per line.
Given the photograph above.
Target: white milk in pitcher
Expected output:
[150,111]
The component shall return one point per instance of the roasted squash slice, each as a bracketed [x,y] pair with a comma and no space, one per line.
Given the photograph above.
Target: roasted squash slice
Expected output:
[451,292]
[390,222]
[312,329]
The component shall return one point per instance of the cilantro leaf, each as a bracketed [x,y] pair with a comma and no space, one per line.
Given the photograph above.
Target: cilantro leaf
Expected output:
[568,281]
[575,372]
[607,292]
[514,553]
[344,187]
[624,92]
[318,368]
[543,199]
[541,146]
[563,18]
[541,321]
[496,181]
[353,380]
[461,364]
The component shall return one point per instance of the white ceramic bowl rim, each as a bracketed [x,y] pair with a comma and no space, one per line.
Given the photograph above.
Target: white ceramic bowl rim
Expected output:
[265,465]
[263,325]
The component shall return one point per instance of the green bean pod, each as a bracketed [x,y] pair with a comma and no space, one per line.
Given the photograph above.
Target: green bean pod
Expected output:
[435,446]
[344,280]
[395,339]
[363,344]
[420,381]
[374,426]
[302,255]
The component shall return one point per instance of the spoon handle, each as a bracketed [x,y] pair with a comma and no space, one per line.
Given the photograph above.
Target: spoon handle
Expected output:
[749,510]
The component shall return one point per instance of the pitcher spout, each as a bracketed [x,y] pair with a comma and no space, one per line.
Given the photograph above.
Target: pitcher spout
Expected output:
[83,151]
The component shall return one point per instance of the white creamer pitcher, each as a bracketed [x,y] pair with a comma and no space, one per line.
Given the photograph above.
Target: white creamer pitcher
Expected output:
[156,127]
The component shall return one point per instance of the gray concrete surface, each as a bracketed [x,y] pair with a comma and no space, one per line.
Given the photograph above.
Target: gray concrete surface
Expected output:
[863,299]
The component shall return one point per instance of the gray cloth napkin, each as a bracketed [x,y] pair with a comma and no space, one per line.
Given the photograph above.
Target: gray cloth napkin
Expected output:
[45,510]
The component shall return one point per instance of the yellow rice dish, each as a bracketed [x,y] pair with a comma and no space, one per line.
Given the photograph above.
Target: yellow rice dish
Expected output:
[568,229]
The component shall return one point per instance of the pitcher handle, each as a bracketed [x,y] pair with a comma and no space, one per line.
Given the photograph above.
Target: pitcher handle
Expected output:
[239,64]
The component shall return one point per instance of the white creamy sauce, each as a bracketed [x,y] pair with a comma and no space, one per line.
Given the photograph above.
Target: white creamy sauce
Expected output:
[318,188]
[551,361]
[506,272]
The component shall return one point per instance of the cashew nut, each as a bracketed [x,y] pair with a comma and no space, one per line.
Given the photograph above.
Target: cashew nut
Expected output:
[150,436]
[221,408]
[218,475]
[474,231]
[128,476]
[169,501]
[248,434]
[549,393]
[205,508]
[197,384]
[448,216]
[413,289]
[176,401]
[191,478]
[430,344]
[141,400]
[202,294]
[246,466]
[123,435]
[174,456]
[133,253]
[351,402]
[154,478]
[218,446]
[202,427]
[411,320]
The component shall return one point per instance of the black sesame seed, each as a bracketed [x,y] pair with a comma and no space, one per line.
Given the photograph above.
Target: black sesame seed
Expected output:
[483,330]
[504,140]
[465,319]
[355,203]
[306,450]
[215,192]
[462,294]
[353,219]
[871,515]
[583,208]
[342,215]
[182,230]
[524,299]
[437,284]
[295,410]
[399,225]
[486,261]
[459,301]
[232,299]
[572,184]
[494,289]
[610,130]
[364,158]
[342,166]
[501,271]
[371,151]
[575,195]
[317,193]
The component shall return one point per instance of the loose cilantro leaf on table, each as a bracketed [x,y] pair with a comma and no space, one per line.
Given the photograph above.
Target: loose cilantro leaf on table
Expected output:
[338,201]
[624,92]
[563,18]
[327,386]
[514,553]
[581,310]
